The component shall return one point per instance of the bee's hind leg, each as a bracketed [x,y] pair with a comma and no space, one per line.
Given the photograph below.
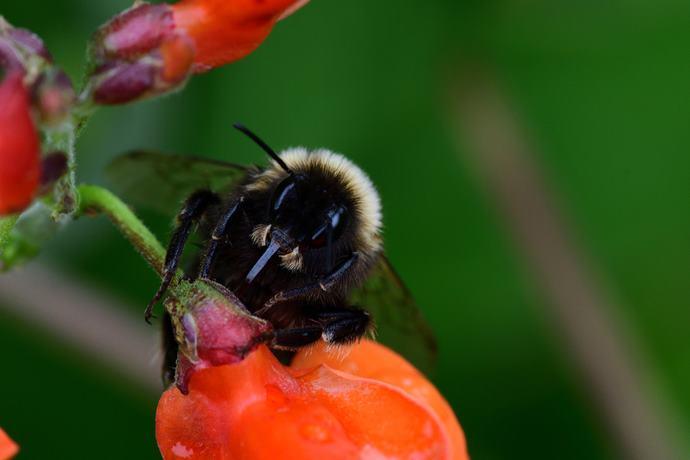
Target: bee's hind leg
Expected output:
[336,325]
[194,208]
[343,325]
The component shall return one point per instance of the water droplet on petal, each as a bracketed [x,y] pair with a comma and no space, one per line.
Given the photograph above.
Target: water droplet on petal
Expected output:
[182,451]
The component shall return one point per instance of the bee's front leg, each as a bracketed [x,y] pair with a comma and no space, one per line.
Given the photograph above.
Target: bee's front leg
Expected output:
[194,208]
[219,233]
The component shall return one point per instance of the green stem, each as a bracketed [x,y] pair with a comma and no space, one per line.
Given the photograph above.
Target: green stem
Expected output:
[6,226]
[62,139]
[97,199]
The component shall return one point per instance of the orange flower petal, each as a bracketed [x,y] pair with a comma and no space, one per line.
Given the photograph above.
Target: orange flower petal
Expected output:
[20,167]
[259,409]
[227,30]
[178,56]
[8,448]
[372,360]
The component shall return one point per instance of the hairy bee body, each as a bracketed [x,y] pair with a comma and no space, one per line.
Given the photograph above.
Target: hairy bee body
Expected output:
[298,242]
[330,181]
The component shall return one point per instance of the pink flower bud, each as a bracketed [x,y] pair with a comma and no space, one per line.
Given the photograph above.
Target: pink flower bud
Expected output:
[213,329]
[138,54]
[29,43]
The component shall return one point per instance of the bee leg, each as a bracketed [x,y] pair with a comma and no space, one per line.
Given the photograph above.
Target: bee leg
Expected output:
[194,207]
[343,325]
[219,232]
[333,325]
[323,284]
[297,337]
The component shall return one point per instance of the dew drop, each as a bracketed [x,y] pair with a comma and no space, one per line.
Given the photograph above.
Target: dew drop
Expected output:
[182,451]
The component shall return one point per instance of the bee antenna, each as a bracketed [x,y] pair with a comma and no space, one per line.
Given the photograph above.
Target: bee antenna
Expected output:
[271,153]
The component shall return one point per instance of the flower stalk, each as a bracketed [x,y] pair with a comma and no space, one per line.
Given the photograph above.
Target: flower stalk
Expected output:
[94,199]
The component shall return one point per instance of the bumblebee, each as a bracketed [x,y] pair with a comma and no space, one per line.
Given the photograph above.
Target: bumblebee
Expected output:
[298,241]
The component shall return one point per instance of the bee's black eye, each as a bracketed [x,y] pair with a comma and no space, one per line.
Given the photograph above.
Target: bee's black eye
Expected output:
[331,229]
[286,192]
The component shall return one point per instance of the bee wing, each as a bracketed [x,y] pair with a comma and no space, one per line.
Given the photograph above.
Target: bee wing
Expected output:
[399,322]
[161,182]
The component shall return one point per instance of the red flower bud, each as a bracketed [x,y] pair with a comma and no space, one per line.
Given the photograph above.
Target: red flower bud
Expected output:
[152,49]
[20,166]
[8,448]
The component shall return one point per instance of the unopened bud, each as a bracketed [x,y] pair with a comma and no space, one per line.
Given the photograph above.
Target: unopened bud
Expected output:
[139,54]
[10,59]
[213,328]
[29,43]
[134,32]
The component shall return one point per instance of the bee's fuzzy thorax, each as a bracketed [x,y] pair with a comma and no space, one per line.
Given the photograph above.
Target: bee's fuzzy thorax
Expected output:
[355,182]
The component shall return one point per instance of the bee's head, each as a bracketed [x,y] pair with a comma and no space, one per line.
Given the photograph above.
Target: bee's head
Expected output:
[320,207]
[306,212]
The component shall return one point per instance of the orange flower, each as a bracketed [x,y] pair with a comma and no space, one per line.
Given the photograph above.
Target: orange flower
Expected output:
[20,165]
[152,49]
[8,448]
[371,405]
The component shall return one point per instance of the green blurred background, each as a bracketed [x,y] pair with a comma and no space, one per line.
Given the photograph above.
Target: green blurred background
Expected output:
[603,89]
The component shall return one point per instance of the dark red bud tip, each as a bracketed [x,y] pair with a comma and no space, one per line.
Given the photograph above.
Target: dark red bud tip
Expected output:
[30,43]
[124,83]
[139,54]
[134,32]
[10,59]
[53,167]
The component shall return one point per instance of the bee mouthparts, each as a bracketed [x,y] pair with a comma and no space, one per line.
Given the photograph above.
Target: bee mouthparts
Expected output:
[260,264]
